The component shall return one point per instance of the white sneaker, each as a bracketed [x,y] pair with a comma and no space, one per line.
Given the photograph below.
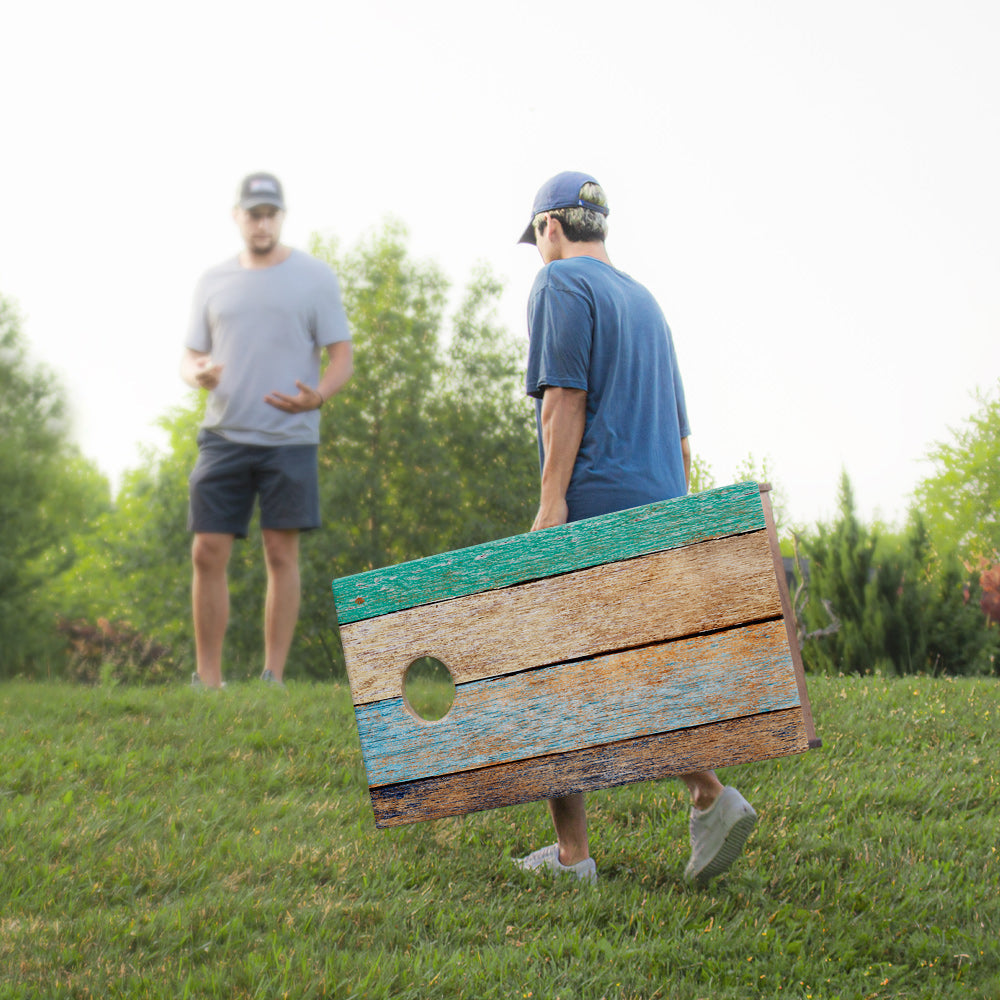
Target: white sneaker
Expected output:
[718,835]
[548,858]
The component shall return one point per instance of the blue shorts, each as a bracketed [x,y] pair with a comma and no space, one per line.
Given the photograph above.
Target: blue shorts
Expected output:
[228,477]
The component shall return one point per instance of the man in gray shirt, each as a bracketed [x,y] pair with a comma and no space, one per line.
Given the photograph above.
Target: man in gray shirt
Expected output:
[259,324]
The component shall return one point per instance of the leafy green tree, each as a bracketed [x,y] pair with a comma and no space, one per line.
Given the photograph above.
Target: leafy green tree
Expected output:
[702,477]
[750,470]
[134,566]
[488,423]
[378,456]
[49,494]
[961,500]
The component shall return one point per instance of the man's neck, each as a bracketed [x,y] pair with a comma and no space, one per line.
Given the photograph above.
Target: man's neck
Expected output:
[257,261]
[592,248]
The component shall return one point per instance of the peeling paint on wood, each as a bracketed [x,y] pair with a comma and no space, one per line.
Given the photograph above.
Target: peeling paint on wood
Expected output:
[508,562]
[665,595]
[570,706]
[720,744]
[643,644]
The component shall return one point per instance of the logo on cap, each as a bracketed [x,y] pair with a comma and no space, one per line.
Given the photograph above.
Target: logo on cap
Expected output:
[261,189]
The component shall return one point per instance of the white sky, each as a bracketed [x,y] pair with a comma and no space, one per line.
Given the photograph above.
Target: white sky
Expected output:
[811,190]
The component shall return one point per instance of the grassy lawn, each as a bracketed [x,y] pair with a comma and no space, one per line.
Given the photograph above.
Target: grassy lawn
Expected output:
[173,843]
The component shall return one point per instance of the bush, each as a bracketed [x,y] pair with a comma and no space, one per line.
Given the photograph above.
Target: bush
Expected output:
[901,607]
[115,652]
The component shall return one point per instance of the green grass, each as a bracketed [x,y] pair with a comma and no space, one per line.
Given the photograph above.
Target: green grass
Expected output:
[172,843]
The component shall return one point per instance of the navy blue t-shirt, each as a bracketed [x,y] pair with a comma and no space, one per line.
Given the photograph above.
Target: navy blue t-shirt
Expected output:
[592,327]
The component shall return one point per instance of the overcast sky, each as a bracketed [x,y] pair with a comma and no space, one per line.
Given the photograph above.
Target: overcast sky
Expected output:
[810,190]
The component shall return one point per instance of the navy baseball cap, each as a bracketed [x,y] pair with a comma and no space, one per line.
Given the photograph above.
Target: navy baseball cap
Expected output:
[261,189]
[561,191]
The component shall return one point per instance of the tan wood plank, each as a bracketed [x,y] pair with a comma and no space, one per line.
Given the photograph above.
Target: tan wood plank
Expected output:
[721,744]
[666,595]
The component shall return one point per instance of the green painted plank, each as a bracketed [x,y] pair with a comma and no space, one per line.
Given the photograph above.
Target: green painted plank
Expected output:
[620,696]
[519,559]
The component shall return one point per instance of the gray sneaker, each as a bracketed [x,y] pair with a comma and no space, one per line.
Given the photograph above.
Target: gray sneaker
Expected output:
[718,835]
[196,682]
[547,858]
[268,678]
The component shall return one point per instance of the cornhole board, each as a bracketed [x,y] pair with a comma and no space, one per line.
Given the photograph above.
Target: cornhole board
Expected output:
[643,644]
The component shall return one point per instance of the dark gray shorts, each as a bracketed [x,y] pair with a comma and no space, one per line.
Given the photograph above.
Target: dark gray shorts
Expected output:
[229,476]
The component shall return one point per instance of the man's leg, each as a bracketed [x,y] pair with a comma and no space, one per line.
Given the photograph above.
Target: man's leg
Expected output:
[569,817]
[210,602]
[570,855]
[704,787]
[281,612]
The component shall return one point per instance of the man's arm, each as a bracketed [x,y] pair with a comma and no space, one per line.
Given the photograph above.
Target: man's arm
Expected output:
[686,455]
[339,368]
[198,371]
[340,365]
[564,416]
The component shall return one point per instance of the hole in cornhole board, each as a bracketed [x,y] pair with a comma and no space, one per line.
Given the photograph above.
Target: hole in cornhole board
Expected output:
[428,689]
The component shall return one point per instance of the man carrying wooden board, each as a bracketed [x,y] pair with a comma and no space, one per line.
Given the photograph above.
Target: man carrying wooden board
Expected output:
[612,435]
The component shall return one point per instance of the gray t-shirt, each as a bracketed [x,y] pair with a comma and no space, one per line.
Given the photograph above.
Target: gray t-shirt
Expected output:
[267,328]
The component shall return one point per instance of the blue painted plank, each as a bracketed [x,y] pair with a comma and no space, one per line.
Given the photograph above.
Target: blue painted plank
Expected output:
[569,706]
[702,748]
[510,561]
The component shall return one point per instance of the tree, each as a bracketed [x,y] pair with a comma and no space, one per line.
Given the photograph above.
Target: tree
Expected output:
[378,458]
[750,471]
[489,423]
[961,500]
[49,492]
[133,567]
[702,477]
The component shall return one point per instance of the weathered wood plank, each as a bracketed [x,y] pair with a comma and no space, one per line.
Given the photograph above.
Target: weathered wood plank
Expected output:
[570,706]
[566,548]
[789,615]
[719,744]
[664,595]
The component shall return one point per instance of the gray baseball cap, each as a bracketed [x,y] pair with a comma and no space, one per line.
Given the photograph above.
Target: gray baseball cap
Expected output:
[261,189]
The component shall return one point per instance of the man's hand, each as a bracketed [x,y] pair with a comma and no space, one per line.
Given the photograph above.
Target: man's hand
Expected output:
[205,373]
[306,399]
[550,515]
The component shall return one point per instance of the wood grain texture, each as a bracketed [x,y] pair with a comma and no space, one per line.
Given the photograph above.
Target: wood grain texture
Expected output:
[789,615]
[567,548]
[721,744]
[665,595]
[571,706]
